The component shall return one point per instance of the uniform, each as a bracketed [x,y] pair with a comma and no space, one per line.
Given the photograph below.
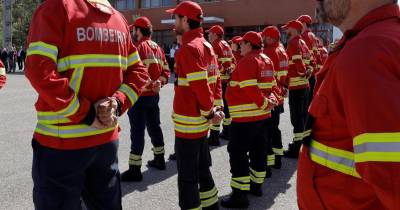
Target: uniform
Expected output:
[353,160]
[195,86]
[236,54]
[277,54]
[226,63]
[312,43]
[298,86]
[3,77]
[146,112]
[247,95]
[73,62]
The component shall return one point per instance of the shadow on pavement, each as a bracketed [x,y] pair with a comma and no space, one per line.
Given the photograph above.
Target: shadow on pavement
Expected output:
[150,177]
[273,186]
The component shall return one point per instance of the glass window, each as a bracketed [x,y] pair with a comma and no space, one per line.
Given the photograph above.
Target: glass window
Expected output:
[145,3]
[155,3]
[125,4]
[131,4]
[168,2]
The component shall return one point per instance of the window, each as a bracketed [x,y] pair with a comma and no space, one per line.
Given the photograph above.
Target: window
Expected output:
[156,3]
[125,4]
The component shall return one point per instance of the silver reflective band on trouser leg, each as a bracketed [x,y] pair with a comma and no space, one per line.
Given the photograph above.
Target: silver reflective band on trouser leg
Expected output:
[335,159]
[241,183]
[209,198]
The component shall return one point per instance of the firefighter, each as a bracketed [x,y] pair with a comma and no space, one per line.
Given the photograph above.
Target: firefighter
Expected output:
[351,159]
[87,73]
[193,110]
[250,101]
[275,51]
[235,46]
[297,81]
[226,64]
[323,52]
[312,43]
[3,77]
[146,112]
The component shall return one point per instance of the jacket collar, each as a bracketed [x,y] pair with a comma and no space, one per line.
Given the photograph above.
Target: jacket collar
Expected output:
[192,34]
[144,39]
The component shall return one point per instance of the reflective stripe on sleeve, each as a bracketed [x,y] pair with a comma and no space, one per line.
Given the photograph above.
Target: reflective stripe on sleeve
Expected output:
[195,76]
[44,49]
[378,147]
[130,93]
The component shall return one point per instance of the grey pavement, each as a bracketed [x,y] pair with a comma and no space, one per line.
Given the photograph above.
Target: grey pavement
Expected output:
[158,189]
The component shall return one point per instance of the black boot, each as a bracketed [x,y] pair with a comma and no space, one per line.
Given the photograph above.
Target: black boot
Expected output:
[278,162]
[293,150]
[256,189]
[172,156]
[268,172]
[215,206]
[158,162]
[213,139]
[133,174]
[237,200]
[225,133]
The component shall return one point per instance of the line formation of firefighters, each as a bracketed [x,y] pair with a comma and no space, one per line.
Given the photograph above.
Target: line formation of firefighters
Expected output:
[86,84]
[246,78]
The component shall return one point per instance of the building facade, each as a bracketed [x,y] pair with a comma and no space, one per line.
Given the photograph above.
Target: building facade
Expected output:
[236,16]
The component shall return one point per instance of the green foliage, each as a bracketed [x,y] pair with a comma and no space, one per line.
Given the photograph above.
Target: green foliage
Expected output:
[22,11]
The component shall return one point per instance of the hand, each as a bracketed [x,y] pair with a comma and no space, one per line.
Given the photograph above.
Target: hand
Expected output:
[148,86]
[163,80]
[218,117]
[156,86]
[106,110]
[285,92]
[272,103]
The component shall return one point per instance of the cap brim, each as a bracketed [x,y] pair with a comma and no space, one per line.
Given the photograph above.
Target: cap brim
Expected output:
[285,27]
[239,40]
[170,11]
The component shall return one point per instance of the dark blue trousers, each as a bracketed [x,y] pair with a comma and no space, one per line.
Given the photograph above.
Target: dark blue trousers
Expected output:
[62,177]
[146,114]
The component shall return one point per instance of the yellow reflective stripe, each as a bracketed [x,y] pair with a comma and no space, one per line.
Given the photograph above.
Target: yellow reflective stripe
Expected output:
[233,83]
[197,208]
[265,85]
[44,49]
[218,102]
[297,57]
[149,61]
[278,151]
[182,82]
[191,128]
[306,133]
[335,159]
[133,59]
[215,127]
[265,104]
[199,75]
[241,183]
[281,73]
[69,131]
[158,150]
[61,116]
[306,61]
[254,113]
[379,147]
[91,60]
[129,92]
[135,160]
[225,77]
[205,113]
[208,194]
[243,107]
[258,173]
[212,79]
[227,121]
[223,60]
[271,160]
[247,83]
[188,120]
[209,202]
[2,71]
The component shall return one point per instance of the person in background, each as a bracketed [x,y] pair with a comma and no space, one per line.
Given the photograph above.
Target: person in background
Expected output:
[4,59]
[21,55]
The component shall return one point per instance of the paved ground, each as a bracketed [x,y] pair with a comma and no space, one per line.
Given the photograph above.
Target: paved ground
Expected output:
[157,191]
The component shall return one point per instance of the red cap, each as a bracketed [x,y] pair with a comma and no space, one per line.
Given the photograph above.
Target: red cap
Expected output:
[131,27]
[252,37]
[271,31]
[305,19]
[236,39]
[293,24]
[217,29]
[189,9]
[142,22]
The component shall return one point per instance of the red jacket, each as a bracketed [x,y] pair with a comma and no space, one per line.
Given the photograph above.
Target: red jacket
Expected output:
[3,77]
[323,55]
[250,86]
[280,59]
[225,58]
[312,43]
[298,54]
[72,63]
[355,158]
[196,87]
[153,57]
